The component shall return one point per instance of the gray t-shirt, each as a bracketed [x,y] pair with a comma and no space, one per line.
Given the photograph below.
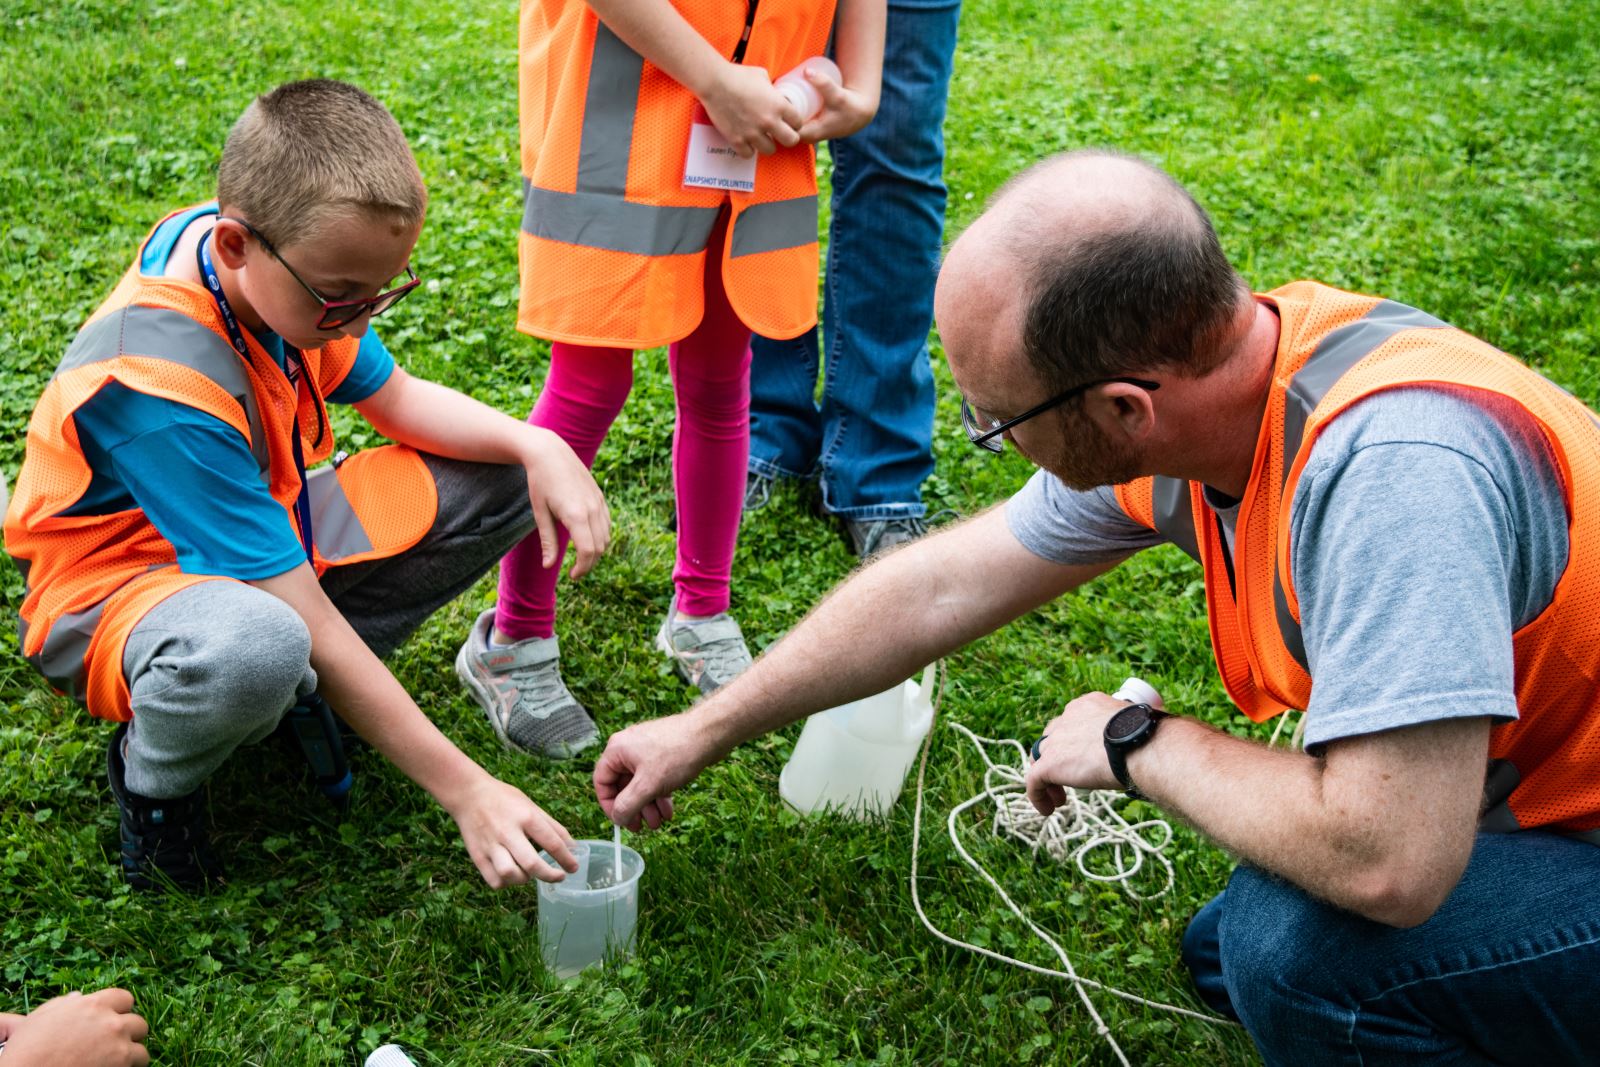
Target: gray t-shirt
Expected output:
[1428,525]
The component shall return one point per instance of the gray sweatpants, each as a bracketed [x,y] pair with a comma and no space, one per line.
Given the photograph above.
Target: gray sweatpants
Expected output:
[218,664]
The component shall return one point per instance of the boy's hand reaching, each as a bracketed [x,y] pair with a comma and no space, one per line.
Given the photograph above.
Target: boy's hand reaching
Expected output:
[844,110]
[562,490]
[501,826]
[755,118]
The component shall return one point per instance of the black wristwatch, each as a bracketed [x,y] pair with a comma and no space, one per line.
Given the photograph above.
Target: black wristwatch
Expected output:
[1127,730]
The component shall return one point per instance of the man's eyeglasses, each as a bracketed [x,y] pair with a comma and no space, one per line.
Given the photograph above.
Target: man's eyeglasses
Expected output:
[984,430]
[337,313]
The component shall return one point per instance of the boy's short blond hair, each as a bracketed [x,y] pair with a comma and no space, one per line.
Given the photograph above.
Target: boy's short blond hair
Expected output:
[313,151]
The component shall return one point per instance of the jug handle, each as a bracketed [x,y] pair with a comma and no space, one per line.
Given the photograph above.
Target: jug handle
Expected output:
[930,675]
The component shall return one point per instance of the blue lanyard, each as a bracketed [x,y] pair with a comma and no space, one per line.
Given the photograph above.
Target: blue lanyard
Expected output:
[291,370]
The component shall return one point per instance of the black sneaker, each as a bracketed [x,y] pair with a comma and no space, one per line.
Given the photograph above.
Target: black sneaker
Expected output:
[163,841]
[870,537]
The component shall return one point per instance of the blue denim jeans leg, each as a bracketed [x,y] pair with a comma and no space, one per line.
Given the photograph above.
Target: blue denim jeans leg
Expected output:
[870,439]
[1507,971]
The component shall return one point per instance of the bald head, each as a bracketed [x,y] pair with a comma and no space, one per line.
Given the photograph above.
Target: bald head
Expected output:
[1092,264]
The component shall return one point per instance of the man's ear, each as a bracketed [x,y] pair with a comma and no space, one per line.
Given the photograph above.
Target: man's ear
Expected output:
[228,243]
[1122,408]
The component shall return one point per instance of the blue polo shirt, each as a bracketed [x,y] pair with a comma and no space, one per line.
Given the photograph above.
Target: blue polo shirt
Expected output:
[192,474]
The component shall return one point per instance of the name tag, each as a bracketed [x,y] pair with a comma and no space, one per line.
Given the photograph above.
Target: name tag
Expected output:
[712,161]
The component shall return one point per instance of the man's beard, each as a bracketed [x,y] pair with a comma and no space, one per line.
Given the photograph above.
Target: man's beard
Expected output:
[1087,459]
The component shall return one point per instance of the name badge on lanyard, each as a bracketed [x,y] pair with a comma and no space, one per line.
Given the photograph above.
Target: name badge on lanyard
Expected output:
[712,162]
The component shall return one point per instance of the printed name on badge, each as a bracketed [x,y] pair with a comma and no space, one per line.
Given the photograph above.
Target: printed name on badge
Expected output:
[712,162]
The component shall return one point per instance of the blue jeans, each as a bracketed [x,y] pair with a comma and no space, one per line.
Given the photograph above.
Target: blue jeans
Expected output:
[1506,972]
[870,439]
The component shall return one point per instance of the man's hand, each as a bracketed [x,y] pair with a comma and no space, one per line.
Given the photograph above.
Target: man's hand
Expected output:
[844,110]
[97,1030]
[754,117]
[498,822]
[643,764]
[1073,752]
[562,490]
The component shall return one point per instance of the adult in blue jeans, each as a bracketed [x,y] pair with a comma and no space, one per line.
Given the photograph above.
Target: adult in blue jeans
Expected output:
[1399,530]
[869,442]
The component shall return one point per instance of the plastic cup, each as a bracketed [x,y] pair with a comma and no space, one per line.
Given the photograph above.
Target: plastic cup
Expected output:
[390,1056]
[590,916]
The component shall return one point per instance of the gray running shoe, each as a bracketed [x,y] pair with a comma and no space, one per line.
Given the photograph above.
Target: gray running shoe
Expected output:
[757,491]
[708,654]
[869,537]
[521,691]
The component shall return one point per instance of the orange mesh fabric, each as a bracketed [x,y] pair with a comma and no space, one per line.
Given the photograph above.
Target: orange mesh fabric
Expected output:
[1555,745]
[571,293]
[588,295]
[1134,497]
[120,561]
[393,496]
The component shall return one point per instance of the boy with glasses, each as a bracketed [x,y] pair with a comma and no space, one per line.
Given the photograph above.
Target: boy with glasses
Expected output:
[187,577]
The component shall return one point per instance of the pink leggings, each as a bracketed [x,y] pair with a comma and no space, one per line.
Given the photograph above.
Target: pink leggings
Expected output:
[583,394]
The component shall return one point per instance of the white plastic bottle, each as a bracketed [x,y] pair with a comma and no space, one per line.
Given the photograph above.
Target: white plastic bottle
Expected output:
[805,97]
[1139,691]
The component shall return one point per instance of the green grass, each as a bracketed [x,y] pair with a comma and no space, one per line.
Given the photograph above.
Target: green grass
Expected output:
[1438,152]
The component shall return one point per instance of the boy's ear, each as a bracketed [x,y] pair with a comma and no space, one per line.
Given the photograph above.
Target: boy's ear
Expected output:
[228,243]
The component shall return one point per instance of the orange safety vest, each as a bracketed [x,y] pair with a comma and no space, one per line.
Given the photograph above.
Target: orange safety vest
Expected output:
[1333,349]
[91,578]
[613,246]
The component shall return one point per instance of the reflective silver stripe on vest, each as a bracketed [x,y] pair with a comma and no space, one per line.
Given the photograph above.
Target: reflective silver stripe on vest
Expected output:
[157,333]
[611,102]
[597,215]
[1173,514]
[616,225]
[1335,354]
[338,531]
[775,225]
[61,658]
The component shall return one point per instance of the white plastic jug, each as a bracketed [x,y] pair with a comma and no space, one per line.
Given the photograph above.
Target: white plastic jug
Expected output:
[853,759]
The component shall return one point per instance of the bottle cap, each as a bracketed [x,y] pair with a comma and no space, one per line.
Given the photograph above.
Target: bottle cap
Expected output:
[1140,692]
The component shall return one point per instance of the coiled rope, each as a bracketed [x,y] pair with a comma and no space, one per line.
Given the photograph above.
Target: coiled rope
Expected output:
[1086,826]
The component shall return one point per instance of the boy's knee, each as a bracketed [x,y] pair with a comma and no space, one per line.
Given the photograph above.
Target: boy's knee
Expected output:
[264,657]
[248,657]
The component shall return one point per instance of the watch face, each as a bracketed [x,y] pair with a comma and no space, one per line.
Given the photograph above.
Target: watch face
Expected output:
[1127,722]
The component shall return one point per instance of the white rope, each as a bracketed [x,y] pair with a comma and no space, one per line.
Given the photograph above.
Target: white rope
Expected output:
[1086,827]
[1088,823]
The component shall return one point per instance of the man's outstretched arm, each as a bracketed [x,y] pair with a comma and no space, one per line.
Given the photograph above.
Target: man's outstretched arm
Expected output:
[876,629]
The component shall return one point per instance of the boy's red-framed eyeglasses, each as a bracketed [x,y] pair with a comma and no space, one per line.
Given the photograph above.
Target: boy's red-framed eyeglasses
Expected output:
[337,313]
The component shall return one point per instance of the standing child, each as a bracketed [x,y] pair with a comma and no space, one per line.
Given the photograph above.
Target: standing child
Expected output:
[629,241]
[185,577]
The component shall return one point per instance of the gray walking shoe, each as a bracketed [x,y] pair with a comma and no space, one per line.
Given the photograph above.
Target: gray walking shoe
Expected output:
[869,537]
[757,491]
[520,689]
[708,654]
